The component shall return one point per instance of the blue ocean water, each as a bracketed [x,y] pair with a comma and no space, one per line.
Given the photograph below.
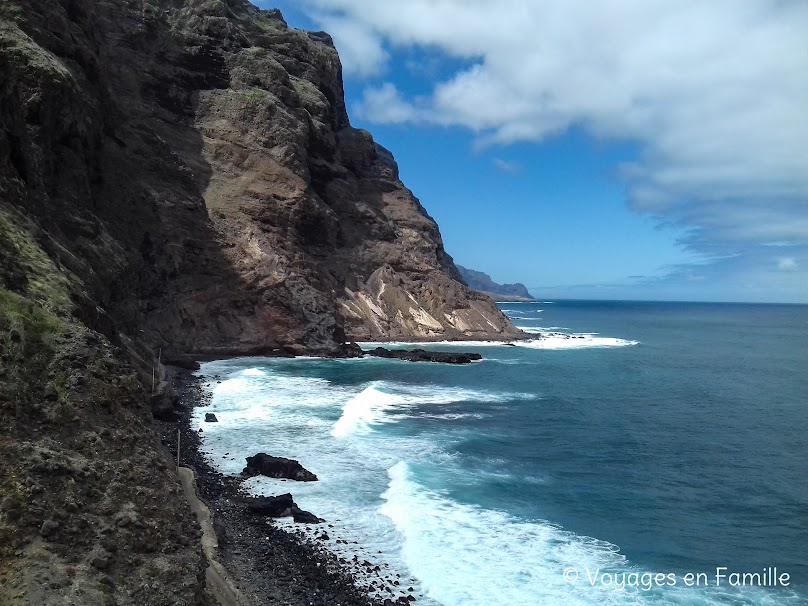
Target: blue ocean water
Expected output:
[630,439]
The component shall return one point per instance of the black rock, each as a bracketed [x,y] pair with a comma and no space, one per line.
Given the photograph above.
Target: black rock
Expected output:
[304,517]
[421,355]
[164,406]
[210,418]
[50,392]
[277,467]
[273,507]
[48,528]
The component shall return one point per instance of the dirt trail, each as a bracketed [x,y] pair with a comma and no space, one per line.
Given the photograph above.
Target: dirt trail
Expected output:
[219,582]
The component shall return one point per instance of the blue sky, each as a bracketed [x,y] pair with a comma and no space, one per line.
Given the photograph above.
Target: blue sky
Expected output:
[655,149]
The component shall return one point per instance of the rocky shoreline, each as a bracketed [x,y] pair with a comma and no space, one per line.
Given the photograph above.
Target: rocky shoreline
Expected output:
[272,562]
[422,355]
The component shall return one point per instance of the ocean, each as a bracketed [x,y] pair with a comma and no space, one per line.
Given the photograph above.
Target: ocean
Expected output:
[643,453]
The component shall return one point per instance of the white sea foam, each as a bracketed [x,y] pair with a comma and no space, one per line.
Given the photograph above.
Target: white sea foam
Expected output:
[532,330]
[509,361]
[458,553]
[254,372]
[546,340]
[464,555]
[495,559]
[449,416]
[562,340]
[369,407]
[363,410]
[432,344]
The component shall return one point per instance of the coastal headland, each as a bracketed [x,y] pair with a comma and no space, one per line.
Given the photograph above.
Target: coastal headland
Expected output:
[179,180]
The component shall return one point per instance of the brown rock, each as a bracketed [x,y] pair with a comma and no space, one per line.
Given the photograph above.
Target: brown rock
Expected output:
[178,180]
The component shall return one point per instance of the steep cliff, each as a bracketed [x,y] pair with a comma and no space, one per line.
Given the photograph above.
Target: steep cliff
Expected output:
[192,163]
[177,177]
[499,292]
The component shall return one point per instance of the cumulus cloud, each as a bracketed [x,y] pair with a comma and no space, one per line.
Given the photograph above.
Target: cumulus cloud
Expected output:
[386,105]
[714,94]
[361,49]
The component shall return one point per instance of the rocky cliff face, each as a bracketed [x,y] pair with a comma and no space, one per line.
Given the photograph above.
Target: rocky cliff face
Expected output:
[181,177]
[192,163]
[324,241]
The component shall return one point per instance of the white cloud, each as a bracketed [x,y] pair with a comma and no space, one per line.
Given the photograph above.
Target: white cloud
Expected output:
[507,166]
[715,94]
[385,104]
[361,50]
[787,264]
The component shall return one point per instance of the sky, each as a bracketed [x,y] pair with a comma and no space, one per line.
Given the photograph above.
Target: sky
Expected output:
[619,149]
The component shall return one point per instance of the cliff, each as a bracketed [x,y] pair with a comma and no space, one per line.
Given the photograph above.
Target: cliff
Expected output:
[499,292]
[193,166]
[177,178]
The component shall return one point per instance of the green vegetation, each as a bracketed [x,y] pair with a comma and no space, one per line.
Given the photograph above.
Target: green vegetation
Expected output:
[21,54]
[26,269]
[310,96]
[255,94]
[10,10]
[34,317]
[29,338]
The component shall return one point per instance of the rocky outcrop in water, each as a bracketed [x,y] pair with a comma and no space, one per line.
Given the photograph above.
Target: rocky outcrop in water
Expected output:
[280,507]
[277,467]
[421,355]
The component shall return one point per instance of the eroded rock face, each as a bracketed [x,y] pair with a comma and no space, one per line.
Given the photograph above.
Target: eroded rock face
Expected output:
[193,163]
[316,217]
[177,178]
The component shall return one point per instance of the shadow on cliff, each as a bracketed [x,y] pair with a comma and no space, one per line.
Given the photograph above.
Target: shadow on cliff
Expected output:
[101,155]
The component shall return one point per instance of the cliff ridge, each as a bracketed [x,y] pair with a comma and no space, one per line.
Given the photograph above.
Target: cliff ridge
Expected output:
[178,179]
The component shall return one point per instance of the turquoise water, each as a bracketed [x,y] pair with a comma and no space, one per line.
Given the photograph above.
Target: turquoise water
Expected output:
[672,441]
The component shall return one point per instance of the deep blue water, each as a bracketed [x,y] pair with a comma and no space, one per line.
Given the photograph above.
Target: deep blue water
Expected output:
[673,441]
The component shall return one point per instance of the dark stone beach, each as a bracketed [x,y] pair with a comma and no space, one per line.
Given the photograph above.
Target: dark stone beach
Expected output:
[272,564]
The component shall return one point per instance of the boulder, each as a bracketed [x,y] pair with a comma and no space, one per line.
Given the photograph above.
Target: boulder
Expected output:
[277,467]
[304,517]
[210,418]
[273,507]
[281,506]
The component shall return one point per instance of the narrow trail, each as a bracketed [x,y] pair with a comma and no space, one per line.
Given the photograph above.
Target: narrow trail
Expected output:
[219,582]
